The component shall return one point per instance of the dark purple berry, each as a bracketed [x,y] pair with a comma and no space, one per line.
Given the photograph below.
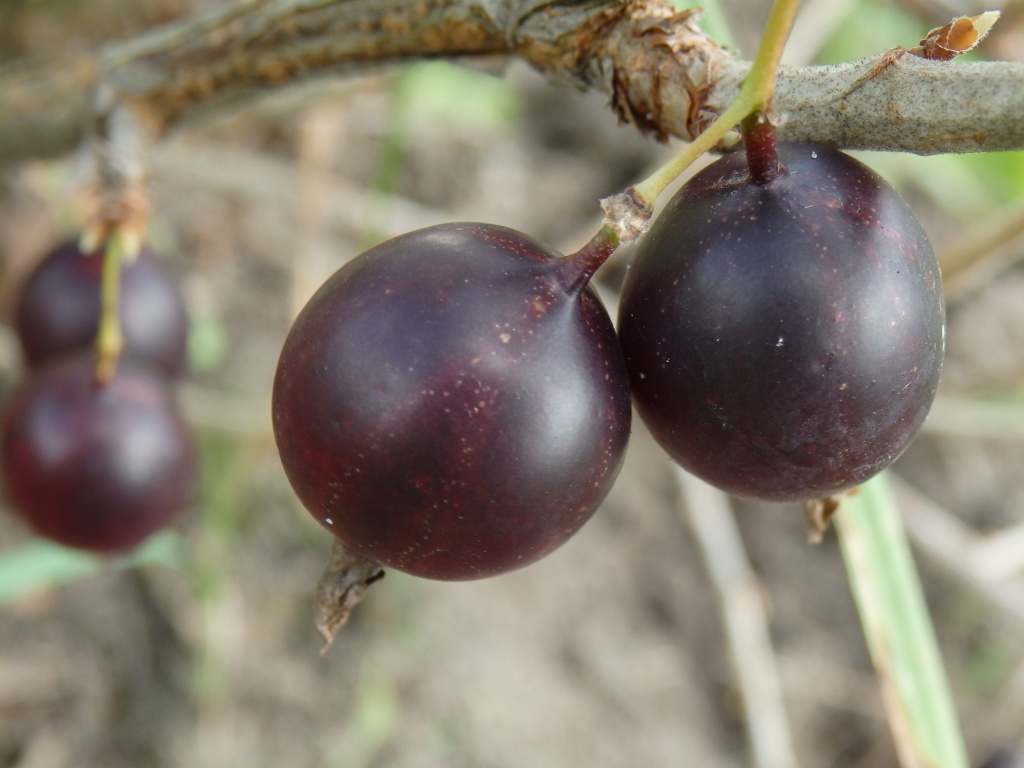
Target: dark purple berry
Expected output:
[784,339]
[453,403]
[97,467]
[59,309]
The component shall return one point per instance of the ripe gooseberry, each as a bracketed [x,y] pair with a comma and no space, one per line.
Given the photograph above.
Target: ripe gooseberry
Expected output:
[58,310]
[453,402]
[784,330]
[96,466]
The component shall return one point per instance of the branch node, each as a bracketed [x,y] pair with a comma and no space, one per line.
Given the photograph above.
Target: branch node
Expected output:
[627,215]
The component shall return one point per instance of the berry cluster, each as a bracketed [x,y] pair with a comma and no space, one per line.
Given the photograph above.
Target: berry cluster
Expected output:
[455,403]
[94,463]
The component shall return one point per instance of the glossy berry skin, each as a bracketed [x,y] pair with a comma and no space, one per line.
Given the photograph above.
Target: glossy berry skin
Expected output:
[784,340]
[96,467]
[450,404]
[59,309]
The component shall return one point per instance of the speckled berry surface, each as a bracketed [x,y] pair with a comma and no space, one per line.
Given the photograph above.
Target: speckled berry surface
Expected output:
[97,467]
[446,406]
[58,309]
[784,340]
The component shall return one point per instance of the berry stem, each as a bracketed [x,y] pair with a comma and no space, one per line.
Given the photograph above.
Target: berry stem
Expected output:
[109,337]
[759,139]
[576,269]
[629,212]
[121,201]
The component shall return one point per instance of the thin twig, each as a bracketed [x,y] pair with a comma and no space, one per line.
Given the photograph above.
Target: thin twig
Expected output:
[961,552]
[319,134]
[988,247]
[708,512]
[959,416]
[272,183]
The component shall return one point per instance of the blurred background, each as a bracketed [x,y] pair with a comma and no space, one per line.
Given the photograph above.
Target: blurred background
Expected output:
[199,649]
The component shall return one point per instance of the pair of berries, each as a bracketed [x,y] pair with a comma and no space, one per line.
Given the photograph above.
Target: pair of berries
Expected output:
[455,402]
[97,465]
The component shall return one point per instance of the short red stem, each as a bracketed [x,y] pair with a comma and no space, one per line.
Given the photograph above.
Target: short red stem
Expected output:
[759,140]
[576,269]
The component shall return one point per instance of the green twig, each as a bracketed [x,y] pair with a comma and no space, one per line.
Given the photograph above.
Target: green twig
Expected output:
[898,629]
[627,213]
[110,338]
[755,95]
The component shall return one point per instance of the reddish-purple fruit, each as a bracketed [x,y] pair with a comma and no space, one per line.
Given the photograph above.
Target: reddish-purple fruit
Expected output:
[59,310]
[97,467]
[453,403]
[784,339]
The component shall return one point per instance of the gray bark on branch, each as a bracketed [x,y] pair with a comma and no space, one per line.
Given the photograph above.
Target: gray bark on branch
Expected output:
[660,71]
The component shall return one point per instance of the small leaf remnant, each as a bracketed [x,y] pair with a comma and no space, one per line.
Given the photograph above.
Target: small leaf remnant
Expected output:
[961,35]
[819,514]
[342,586]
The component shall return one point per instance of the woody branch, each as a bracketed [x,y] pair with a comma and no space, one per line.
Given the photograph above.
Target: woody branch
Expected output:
[660,71]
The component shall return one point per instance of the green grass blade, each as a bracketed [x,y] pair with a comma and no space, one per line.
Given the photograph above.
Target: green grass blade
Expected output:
[898,629]
[39,564]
